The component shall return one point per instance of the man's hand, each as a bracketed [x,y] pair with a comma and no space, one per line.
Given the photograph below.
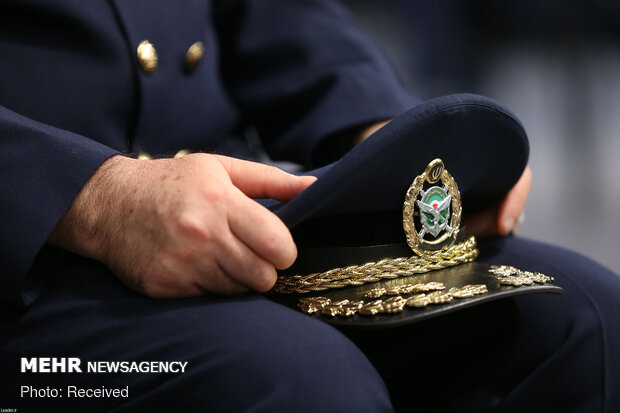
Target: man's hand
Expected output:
[501,219]
[362,133]
[185,226]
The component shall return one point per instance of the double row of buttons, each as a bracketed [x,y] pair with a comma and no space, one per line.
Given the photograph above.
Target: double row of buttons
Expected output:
[147,56]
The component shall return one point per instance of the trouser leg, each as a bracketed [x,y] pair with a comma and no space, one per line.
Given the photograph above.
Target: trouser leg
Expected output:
[529,353]
[244,354]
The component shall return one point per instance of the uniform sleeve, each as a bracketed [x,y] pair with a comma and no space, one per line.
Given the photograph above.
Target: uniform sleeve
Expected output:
[301,71]
[42,170]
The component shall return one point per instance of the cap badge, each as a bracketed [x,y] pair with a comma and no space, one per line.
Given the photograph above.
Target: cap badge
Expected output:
[431,216]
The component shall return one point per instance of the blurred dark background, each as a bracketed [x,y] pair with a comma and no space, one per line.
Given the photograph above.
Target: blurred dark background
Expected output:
[556,65]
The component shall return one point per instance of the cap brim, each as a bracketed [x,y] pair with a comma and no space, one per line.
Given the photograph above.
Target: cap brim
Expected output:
[454,277]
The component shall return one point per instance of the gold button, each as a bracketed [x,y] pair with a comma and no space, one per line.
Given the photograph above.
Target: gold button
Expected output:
[194,56]
[182,153]
[147,56]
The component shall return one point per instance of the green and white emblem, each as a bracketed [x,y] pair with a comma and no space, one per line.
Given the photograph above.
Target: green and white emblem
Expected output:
[431,216]
[434,210]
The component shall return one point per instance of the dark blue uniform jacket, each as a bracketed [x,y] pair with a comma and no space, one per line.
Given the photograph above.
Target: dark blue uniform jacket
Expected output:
[295,73]
[72,94]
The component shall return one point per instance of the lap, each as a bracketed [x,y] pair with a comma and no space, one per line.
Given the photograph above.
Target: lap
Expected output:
[243,353]
[538,352]
[534,352]
[583,324]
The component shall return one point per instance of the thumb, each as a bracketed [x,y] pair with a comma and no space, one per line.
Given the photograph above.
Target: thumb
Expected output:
[514,203]
[257,180]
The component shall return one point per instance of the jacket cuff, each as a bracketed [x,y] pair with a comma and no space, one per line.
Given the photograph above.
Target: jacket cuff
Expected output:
[43,169]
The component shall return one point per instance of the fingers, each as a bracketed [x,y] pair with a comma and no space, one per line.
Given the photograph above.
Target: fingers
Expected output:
[213,280]
[501,219]
[514,203]
[262,231]
[262,181]
[247,268]
[220,283]
[253,241]
[367,130]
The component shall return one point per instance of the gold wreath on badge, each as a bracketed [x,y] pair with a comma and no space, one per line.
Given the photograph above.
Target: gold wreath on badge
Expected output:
[432,211]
